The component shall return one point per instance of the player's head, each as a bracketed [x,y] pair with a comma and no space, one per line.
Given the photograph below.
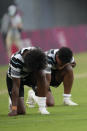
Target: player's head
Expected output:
[12,10]
[35,60]
[64,55]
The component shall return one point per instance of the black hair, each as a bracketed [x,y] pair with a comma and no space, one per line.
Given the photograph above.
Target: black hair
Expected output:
[35,60]
[65,55]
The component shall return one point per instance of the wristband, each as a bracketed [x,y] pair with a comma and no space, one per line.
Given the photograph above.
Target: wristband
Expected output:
[14,108]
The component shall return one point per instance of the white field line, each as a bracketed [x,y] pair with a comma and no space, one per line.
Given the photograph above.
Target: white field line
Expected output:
[77,76]
[2,92]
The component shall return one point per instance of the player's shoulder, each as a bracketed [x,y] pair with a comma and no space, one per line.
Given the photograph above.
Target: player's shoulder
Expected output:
[27,48]
[17,57]
[51,52]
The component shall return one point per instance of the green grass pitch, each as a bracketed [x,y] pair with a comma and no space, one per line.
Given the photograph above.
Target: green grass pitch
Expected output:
[62,118]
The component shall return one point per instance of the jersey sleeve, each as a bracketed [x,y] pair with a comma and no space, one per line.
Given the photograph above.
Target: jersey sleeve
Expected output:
[15,68]
[15,72]
[72,60]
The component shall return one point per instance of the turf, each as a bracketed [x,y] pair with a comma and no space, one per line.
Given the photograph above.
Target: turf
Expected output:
[62,118]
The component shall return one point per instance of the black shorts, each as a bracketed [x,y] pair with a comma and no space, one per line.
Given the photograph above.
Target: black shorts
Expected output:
[56,82]
[28,81]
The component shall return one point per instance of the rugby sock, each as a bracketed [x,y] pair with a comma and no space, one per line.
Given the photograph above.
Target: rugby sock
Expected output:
[41,101]
[66,96]
[67,100]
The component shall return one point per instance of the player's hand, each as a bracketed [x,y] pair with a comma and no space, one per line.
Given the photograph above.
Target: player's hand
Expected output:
[13,113]
[73,64]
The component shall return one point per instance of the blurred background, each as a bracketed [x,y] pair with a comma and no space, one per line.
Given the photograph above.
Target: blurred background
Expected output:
[40,14]
[45,23]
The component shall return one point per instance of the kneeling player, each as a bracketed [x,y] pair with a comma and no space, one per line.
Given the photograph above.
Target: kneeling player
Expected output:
[26,64]
[60,68]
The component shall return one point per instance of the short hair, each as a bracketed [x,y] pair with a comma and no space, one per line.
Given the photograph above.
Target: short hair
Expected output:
[35,59]
[65,55]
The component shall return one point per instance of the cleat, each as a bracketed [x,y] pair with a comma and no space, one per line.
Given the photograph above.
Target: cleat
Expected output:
[30,100]
[44,111]
[70,103]
[30,105]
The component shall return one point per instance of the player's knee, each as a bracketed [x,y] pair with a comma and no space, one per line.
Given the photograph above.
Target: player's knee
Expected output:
[50,99]
[50,104]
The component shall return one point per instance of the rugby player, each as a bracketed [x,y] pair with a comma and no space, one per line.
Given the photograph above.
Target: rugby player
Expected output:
[60,67]
[26,67]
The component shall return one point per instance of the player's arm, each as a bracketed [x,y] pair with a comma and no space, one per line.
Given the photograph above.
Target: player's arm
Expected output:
[15,95]
[73,64]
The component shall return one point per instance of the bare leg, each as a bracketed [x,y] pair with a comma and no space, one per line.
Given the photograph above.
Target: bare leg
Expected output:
[50,99]
[43,91]
[43,82]
[66,76]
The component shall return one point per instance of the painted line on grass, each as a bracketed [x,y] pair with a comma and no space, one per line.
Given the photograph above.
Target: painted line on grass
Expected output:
[2,92]
[77,76]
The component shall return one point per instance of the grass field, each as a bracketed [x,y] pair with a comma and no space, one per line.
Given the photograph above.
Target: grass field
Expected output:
[62,118]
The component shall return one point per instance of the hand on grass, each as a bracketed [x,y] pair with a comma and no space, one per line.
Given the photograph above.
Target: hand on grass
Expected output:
[13,113]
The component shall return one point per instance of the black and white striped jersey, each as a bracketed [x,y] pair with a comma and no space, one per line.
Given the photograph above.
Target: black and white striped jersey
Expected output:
[16,66]
[51,54]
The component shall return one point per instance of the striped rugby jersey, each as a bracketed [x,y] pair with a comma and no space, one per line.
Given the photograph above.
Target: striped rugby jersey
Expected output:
[51,54]
[16,66]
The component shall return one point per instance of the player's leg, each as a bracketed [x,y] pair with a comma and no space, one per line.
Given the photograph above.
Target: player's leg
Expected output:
[32,95]
[68,83]
[55,82]
[39,97]
[40,94]
[32,98]
[50,98]
[43,83]
[66,76]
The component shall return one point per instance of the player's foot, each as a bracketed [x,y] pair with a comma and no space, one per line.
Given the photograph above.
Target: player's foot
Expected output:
[44,111]
[30,100]
[70,103]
